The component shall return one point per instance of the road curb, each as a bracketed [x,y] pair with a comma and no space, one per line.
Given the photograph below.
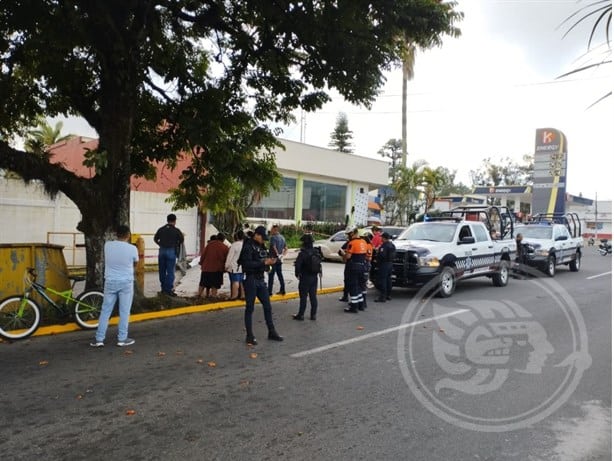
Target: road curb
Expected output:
[142,317]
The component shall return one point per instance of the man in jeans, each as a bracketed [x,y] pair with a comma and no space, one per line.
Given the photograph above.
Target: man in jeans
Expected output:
[120,258]
[277,249]
[169,239]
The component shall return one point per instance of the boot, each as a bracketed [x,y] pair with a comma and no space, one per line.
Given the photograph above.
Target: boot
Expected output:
[274,336]
[250,339]
[353,309]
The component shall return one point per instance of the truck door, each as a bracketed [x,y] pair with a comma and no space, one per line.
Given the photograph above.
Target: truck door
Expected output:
[483,250]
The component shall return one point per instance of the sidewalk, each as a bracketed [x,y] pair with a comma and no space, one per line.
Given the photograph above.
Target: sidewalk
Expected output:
[187,285]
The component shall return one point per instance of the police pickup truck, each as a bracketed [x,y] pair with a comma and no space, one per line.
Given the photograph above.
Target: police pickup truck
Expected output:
[465,242]
[552,239]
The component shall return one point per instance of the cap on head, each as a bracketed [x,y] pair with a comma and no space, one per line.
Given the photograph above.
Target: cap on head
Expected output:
[307,238]
[386,236]
[374,228]
[351,230]
[261,230]
[171,218]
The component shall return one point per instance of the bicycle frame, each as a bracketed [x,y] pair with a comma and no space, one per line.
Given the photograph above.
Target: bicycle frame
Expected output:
[41,290]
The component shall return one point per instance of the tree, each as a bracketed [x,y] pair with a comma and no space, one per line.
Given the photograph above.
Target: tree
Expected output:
[432,182]
[505,173]
[341,136]
[392,150]
[409,59]
[407,192]
[157,79]
[601,10]
[39,139]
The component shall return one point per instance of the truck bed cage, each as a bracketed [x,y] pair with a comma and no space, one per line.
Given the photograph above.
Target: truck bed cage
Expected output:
[442,218]
[498,219]
[570,220]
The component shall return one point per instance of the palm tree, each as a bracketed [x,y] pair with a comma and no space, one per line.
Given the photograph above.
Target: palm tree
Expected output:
[602,9]
[39,139]
[433,180]
[409,59]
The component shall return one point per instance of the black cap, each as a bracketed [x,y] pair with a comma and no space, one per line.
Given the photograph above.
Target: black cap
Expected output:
[261,230]
[386,236]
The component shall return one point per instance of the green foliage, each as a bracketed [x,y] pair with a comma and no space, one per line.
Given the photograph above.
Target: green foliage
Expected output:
[393,151]
[322,230]
[159,79]
[341,136]
[506,172]
[44,135]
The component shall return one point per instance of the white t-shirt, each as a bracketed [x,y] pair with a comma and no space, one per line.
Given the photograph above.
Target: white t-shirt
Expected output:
[119,259]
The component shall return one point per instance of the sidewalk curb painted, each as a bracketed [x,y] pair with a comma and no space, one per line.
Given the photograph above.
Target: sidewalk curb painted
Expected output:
[60,329]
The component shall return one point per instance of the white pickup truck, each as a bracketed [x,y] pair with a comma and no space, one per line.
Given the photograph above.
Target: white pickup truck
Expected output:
[450,249]
[553,240]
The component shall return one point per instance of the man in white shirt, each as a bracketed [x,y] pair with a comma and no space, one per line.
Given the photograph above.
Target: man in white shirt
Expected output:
[120,256]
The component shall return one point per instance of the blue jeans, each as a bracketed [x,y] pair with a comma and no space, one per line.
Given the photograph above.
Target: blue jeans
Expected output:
[166,268]
[114,290]
[255,287]
[276,269]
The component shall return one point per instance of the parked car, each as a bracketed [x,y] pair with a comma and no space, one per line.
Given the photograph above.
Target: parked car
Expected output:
[330,247]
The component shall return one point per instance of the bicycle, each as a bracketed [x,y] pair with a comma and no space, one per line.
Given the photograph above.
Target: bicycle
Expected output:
[20,315]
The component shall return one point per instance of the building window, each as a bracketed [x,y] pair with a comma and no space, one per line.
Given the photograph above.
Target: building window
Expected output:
[323,202]
[278,204]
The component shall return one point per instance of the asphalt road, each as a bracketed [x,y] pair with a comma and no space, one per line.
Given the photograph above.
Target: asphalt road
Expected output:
[515,373]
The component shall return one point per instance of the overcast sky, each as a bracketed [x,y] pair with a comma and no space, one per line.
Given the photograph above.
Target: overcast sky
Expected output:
[484,94]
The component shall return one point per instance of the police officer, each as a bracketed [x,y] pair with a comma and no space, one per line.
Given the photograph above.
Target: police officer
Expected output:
[385,258]
[254,261]
[355,256]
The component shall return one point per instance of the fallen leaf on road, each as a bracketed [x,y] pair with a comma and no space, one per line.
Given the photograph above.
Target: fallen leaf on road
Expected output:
[200,361]
[130,412]
[244,384]
[43,363]
[79,397]
[441,330]
[212,364]
[179,352]
[128,352]
[360,328]
[161,354]
[253,355]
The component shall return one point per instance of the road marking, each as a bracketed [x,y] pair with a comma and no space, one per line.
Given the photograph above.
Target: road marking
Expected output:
[374,334]
[598,275]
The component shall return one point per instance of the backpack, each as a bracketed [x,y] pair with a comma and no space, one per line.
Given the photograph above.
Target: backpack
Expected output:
[314,261]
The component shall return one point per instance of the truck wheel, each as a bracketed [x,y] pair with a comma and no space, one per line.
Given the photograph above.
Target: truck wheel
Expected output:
[446,283]
[550,268]
[574,266]
[500,278]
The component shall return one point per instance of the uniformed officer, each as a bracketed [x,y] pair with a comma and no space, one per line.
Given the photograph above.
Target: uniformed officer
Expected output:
[355,257]
[385,258]
[254,261]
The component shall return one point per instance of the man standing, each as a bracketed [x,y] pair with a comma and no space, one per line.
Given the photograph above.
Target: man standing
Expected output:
[169,238]
[278,250]
[307,267]
[385,258]
[356,258]
[119,260]
[376,241]
[254,261]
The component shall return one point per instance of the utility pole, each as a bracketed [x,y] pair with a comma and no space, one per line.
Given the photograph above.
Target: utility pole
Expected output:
[303,126]
[595,216]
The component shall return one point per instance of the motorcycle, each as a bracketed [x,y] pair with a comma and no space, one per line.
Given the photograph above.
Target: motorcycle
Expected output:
[605,247]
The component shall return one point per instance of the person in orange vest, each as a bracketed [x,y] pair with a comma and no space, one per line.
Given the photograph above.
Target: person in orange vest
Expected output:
[355,257]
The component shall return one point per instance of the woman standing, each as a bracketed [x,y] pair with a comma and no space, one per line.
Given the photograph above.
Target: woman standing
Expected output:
[233,268]
[212,260]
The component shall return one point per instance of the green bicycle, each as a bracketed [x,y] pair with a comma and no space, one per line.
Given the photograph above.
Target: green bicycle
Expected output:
[20,315]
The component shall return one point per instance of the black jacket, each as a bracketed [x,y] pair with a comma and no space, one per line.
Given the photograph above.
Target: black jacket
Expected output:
[385,253]
[252,258]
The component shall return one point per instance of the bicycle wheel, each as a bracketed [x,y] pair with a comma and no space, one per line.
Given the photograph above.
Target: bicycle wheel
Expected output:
[87,309]
[19,317]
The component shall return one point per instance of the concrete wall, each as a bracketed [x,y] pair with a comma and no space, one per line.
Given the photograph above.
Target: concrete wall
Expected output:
[29,215]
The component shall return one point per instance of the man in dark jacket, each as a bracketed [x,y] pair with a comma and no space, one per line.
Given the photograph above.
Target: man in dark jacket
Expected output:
[308,277]
[385,258]
[255,262]
[169,238]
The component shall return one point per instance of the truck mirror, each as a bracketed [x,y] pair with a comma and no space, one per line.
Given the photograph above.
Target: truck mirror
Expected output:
[466,240]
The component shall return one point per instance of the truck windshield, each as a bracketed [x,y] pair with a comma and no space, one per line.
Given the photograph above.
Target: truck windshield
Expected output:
[535,232]
[434,232]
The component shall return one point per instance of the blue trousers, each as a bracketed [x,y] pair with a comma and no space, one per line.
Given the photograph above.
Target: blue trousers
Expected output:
[166,268]
[276,269]
[384,279]
[122,290]
[255,287]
